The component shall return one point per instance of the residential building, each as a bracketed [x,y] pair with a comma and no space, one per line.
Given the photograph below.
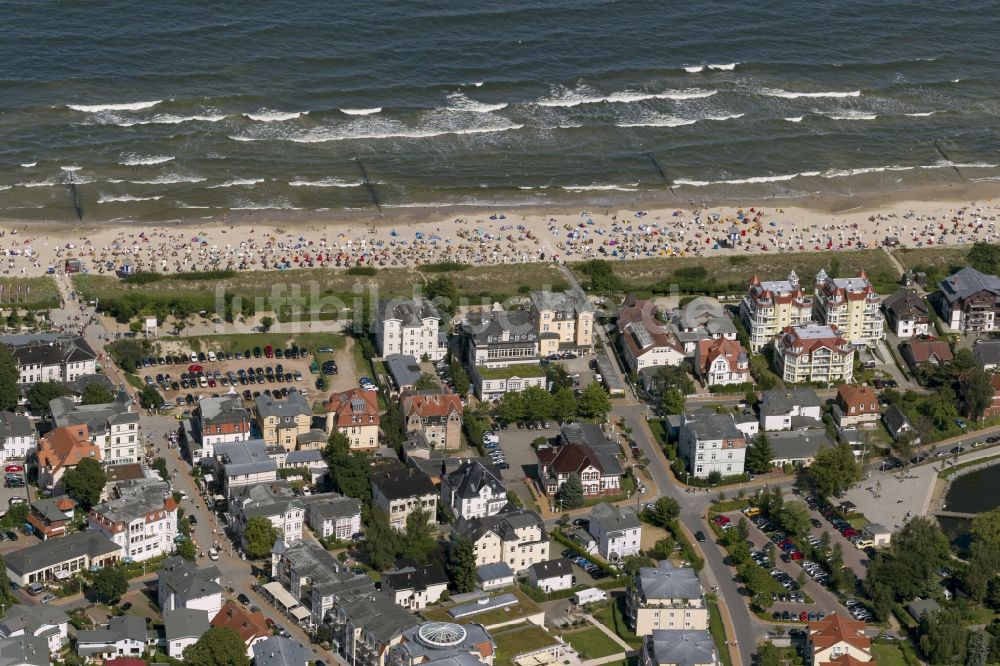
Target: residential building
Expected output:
[813,353]
[274,501]
[58,558]
[183,584]
[404,371]
[443,644]
[850,304]
[987,353]
[355,415]
[786,409]
[898,425]
[568,314]
[182,627]
[499,338]
[721,362]
[551,575]
[239,464]
[141,518]
[494,576]
[771,306]
[62,449]
[516,537]
[490,383]
[334,516]
[930,351]
[646,342]
[666,597]
[702,318]
[969,301]
[50,358]
[124,636]
[77,387]
[366,628]
[907,314]
[991,409]
[282,421]
[17,437]
[49,517]
[24,651]
[250,626]
[219,420]
[617,531]
[438,414]
[711,442]
[473,491]
[281,651]
[678,648]
[835,637]
[856,407]
[409,326]
[44,621]
[398,491]
[798,448]
[414,586]
[113,426]
[585,451]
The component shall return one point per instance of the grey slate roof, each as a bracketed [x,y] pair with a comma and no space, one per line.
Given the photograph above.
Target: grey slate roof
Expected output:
[24,651]
[249,457]
[55,551]
[493,571]
[792,444]
[711,426]
[665,581]
[561,301]
[418,651]
[410,311]
[15,425]
[781,401]
[905,302]
[404,369]
[313,436]
[185,623]
[379,616]
[78,385]
[503,327]
[120,627]
[66,413]
[31,618]
[332,505]
[414,577]
[61,349]
[967,282]
[503,524]
[293,405]
[470,478]
[281,651]
[987,352]
[223,409]
[614,518]
[551,569]
[136,499]
[187,579]
[680,647]
[895,419]
[264,500]
[398,482]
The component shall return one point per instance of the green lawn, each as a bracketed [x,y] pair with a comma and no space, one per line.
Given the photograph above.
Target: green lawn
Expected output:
[525,606]
[37,293]
[613,617]
[513,642]
[887,654]
[592,643]
[718,631]
[519,370]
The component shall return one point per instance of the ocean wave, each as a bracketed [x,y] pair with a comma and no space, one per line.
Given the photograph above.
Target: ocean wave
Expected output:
[372,131]
[70,168]
[829,173]
[169,179]
[28,165]
[41,183]
[362,112]
[107,198]
[236,182]
[478,84]
[726,68]
[128,106]
[794,119]
[674,121]
[5,187]
[943,164]
[851,115]
[599,188]
[145,160]
[460,102]
[167,119]
[694,69]
[325,182]
[266,116]
[922,114]
[569,99]
[777,92]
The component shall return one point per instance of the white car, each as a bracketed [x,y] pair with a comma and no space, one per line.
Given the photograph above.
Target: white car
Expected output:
[213,554]
[211,356]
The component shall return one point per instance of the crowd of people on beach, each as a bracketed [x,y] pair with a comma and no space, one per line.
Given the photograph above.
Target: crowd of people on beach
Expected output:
[498,238]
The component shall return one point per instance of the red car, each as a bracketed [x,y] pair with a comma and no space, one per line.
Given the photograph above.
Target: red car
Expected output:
[211,383]
[796,555]
[720,520]
[269,351]
[14,468]
[803,616]
[850,532]
[195,368]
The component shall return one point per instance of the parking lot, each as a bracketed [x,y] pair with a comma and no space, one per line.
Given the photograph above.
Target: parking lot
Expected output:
[254,375]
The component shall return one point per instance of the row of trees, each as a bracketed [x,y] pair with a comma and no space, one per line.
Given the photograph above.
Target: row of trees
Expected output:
[384,544]
[535,404]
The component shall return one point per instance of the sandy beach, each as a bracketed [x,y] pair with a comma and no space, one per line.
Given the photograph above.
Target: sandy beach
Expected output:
[486,236]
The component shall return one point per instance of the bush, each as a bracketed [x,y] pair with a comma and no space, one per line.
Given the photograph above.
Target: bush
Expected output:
[368,271]
[443,267]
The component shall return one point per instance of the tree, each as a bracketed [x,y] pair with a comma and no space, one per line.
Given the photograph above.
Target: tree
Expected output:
[266,322]
[219,646]
[714,477]
[41,393]
[259,537]
[985,257]
[419,542]
[676,377]
[794,518]
[537,403]
[594,402]
[110,584]
[663,512]
[135,327]
[462,563]
[460,377]
[381,544]
[907,570]
[903,446]
[9,378]
[834,470]
[444,294]
[149,397]
[558,377]
[759,455]
[186,549]
[96,394]
[349,471]
[978,392]
[563,404]
[673,401]
[426,382]
[85,482]
[943,637]
[571,492]
[978,648]
[511,407]
[631,564]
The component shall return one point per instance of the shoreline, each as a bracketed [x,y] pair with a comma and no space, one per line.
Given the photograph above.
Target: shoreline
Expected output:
[946,216]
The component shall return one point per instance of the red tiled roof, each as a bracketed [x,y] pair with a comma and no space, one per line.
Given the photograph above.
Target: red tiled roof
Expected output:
[428,405]
[846,660]
[248,625]
[66,446]
[922,351]
[341,405]
[709,350]
[859,396]
[838,629]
